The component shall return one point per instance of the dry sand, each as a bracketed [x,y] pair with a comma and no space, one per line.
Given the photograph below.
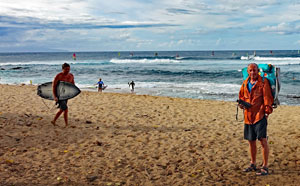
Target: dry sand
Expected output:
[127,139]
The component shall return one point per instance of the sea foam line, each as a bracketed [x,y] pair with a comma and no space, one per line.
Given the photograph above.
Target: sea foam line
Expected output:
[144,61]
[258,58]
[203,87]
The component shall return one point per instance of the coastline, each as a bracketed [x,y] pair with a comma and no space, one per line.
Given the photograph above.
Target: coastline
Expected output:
[128,139]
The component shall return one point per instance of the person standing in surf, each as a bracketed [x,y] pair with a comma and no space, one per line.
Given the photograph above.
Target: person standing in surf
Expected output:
[257,92]
[132,84]
[65,75]
[100,85]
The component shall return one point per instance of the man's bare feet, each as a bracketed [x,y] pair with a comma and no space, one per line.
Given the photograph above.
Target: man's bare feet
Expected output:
[53,123]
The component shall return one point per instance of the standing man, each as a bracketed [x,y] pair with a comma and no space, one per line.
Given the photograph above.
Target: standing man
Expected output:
[100,85]
[132,84]
[62,104]
[257,92]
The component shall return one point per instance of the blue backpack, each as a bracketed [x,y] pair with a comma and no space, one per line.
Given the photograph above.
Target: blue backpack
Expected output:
[272,74]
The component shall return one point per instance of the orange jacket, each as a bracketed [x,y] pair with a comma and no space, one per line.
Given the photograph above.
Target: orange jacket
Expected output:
[260,98]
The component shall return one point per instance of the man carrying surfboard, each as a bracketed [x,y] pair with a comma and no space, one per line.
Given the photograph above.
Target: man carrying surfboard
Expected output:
[132,84]
[256,92]
[66,76]
[100,85]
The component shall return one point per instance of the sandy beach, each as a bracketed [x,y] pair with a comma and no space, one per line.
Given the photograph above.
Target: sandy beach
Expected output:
[126,139]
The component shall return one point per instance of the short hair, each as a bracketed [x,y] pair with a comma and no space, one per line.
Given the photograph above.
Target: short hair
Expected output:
[65,65]
[253,64]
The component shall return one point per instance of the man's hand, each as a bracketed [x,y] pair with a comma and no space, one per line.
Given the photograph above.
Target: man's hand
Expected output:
[55,99]
[266,115]
[241,106]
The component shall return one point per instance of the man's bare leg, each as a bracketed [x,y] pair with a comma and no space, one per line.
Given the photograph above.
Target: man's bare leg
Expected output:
[265,151]
[66,117]
[56,116]
[253,151]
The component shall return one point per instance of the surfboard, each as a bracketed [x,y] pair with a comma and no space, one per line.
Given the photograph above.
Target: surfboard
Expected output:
[178,58]
[104,87]
[65,90]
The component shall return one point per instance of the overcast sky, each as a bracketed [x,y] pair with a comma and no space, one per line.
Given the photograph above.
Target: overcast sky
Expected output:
[130,25]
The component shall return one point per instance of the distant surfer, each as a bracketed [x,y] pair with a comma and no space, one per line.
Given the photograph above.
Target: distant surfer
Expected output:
[156,54]
[65,75]
[74,56]
[101,85]
[132,84]
[212,53]
[178,57]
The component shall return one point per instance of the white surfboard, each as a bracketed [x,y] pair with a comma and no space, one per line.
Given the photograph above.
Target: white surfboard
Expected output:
[104,87]
[65,90]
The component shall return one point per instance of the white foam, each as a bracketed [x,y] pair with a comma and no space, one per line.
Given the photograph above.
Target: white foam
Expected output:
[59,62]
[35,63]
[275,60]
[85,85]
[144,61]
[193,87]
[250,57]
[213,88]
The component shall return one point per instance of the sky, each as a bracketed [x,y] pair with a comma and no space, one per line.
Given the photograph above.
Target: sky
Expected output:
[148,25]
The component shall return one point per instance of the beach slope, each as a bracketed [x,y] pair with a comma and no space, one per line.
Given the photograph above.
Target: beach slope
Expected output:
[127,139]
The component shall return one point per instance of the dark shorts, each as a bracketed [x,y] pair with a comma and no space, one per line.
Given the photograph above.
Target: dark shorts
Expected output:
[62,104]
[256,131]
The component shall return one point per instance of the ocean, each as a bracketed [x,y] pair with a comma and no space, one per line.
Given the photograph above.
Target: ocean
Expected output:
[214,75]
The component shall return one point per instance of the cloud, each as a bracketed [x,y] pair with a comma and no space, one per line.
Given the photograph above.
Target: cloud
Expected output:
[180,11]
[90,14]
[120,37]
[218,42]
[146,24]
[229,7]
[34,23]
[283,28]
[180,42]
[48,11]
[201,31]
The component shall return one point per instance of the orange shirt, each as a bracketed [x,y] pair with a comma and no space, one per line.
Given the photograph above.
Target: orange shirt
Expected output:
[260,98]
